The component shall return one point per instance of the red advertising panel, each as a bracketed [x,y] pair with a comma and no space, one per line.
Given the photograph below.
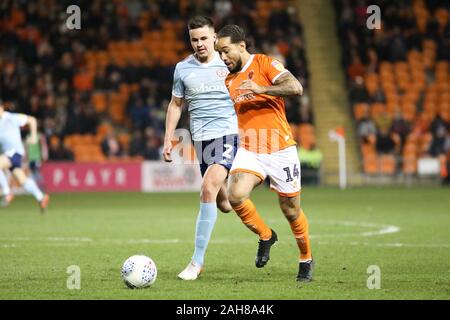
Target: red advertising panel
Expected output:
[85,177]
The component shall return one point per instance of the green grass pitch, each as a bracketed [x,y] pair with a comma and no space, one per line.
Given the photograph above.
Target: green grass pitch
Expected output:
[405,232]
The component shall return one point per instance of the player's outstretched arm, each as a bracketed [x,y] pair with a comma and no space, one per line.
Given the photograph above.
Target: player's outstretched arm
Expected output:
[32,123]
[173,116]
[285,85]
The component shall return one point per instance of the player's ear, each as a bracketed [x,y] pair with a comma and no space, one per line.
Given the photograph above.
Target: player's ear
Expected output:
[242,46]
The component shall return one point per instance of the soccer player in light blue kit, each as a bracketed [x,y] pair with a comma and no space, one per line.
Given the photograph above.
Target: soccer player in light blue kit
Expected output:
[199,80]
[13,152]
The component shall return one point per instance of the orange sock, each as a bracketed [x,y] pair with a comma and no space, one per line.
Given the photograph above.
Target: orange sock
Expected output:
[300,229]
[250,217]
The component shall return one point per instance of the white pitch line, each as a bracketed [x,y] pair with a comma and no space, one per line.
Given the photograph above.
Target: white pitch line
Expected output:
[12,245]
[246,241]
[390,245]
[70,239]
[382,229]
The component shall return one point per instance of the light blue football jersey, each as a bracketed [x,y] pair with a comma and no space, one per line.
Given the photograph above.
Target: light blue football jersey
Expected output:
[202,85]
[10,138]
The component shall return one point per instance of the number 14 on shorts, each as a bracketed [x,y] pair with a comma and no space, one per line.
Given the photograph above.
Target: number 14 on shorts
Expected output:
[295,173]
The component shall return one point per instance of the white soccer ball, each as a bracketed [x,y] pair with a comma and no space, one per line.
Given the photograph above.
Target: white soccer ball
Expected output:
[139,271]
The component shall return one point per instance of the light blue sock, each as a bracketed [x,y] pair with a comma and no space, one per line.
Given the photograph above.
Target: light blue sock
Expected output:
[31,187]
[205,225]
[4,185]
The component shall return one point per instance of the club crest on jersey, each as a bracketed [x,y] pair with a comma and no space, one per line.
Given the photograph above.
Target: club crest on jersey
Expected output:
[221,73]
[250,74]
[278,65]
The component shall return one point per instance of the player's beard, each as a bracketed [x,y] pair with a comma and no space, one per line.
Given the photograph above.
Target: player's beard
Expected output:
[238,66]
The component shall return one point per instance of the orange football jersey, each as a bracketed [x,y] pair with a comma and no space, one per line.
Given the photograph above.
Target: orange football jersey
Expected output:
[263,127]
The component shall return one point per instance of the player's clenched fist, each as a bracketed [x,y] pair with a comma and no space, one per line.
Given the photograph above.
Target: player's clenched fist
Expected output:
[167,151]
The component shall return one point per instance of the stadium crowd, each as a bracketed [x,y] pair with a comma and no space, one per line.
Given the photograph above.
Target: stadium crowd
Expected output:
[100,92]
[398,81]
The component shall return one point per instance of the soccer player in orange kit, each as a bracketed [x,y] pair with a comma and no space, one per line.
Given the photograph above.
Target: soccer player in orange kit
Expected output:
[257,85]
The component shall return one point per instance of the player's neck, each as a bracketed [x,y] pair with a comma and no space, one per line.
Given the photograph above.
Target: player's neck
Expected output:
[244,58]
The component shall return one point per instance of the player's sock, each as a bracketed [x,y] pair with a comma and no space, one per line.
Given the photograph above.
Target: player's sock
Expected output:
[250,217]
[31,187]
[4,184]
[205,225]
[300,228]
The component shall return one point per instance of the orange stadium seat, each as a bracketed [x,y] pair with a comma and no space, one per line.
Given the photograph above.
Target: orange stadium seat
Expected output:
[370,164]
[409,165]
[368,149]
[99,102]
[387,164]
[376,109]
[360,110]
[410,149]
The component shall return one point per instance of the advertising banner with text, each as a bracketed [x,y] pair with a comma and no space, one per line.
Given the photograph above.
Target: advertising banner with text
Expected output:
[85,177]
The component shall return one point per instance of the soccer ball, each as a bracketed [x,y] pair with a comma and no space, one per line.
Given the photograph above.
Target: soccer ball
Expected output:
[139,271]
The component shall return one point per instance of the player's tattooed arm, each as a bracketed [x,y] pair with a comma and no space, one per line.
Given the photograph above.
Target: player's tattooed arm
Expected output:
[285,85]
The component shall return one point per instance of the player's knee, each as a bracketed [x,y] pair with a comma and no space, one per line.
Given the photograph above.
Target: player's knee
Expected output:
[290,210]
[209,192]
[20,176]
[236,197]
[5,163]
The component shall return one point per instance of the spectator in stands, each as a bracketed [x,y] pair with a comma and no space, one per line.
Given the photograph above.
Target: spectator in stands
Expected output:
[439,128]
[398,48]
[57,151]
[383,121]
[139,113]
[101,81]
[136,143]
[152,150]
[356,68]
[358,92]
[47,70]
[366,129]
[372,61]
[400,127]
[385,144]
[111,146]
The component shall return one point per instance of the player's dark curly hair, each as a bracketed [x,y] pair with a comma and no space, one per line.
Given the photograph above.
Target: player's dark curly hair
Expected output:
[236,34]
[199,22]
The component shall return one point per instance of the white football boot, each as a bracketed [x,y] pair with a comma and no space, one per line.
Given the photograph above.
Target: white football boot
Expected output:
[191,272]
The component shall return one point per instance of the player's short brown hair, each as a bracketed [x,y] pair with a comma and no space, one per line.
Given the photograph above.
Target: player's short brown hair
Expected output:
[199,22]
[236,34]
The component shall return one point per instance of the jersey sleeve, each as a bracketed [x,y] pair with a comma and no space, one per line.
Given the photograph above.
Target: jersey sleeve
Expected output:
[273,68]
[19,119]
[178,86]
